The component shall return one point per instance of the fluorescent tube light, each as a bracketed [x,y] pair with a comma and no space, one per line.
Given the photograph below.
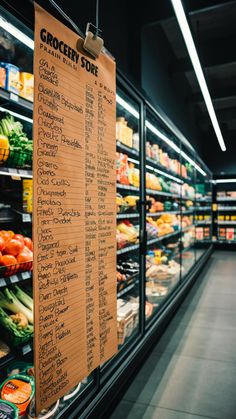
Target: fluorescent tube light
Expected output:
[25,118]
[16,33]
[127,106]
[225,181]
[163,137]
[184,27]
[159,134]
[163,173]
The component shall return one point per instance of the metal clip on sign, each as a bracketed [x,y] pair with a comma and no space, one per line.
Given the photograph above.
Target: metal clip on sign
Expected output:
[93,43]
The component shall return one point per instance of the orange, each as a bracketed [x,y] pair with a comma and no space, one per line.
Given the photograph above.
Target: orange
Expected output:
[14,247]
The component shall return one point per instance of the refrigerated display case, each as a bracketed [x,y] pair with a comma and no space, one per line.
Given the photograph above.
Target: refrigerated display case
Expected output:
[225,211]
[163,191]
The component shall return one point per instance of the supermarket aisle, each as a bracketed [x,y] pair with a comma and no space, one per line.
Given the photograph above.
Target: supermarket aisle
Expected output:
[191,373]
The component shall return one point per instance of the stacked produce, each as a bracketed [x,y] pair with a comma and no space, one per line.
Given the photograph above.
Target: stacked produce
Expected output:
[126,172]
[15,147]
[159,184]
[126,204]
[156,153]
[16,315]
[166,224]
[16,253]
[125,134]
[157,206]
[126,233]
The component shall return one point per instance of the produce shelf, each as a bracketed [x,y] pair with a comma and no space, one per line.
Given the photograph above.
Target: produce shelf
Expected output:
[127,187]
[204,241]
[225,198]
[125,290]
[225,242]
[153,192]
[158,239]
[203,199]
[18,173]
[126,149]
[204,222]
[127,249]
[126,215]
[203,208]
[223,222]
[155,214]
[15,102]
[19,277]
[187,212]
[226,208]
[158,166]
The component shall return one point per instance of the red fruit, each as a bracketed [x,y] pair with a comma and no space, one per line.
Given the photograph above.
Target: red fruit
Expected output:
[14,247]
[6,235]
[19,237]
[2,243]
[7,260]
[28,243]
[24,257]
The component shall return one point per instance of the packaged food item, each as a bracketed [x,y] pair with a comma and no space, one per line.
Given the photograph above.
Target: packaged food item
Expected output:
[27,195]
[27,86]
[45,413]
[124,134]
[230,234]
[19,390]
[136,141]
[2,77]
[12,83]
[8,410]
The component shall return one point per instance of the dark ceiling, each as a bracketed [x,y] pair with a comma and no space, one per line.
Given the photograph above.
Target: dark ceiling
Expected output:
[213,25]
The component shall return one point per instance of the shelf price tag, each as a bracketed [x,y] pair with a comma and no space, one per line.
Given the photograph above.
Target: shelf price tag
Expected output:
[26,218]
[14,97]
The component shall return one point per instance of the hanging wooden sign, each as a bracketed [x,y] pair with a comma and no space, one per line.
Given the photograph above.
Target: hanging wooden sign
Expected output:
[74,210]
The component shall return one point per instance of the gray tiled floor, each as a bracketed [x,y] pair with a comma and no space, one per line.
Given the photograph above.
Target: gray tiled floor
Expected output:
[191,372]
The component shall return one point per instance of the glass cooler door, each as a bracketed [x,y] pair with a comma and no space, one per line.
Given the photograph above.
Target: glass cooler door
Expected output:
[188,192]
[128,177]
[203,217]
[163,222]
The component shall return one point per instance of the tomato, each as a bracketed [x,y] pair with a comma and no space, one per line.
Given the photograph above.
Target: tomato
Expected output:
[28,243]
[0,257]
[24,257]
[11,233]
[7,260]
[14,247]
[2,243]
[5,235]
[19,237]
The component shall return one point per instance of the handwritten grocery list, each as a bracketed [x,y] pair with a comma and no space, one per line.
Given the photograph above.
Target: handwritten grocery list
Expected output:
[74,210]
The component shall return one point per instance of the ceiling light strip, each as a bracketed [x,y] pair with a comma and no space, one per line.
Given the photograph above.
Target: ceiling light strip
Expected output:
[184,27]
[16,33]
